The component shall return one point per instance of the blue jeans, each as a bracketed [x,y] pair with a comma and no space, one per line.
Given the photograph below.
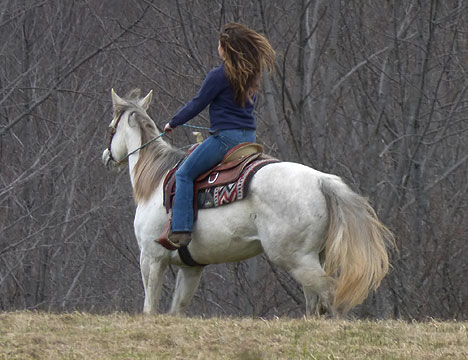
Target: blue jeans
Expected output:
[209,153]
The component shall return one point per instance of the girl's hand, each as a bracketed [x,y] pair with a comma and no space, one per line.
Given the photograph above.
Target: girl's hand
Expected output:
[167,128]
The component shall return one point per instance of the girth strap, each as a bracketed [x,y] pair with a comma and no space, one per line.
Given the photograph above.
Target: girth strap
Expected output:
[187,258]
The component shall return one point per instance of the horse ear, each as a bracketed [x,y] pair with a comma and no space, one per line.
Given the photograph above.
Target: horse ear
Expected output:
[146,101]
[116,99]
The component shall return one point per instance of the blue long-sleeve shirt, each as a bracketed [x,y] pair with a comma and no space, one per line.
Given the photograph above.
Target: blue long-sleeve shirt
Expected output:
[225,113]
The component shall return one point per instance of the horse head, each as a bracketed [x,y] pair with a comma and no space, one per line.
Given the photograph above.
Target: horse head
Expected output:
[125,129]
[133,132]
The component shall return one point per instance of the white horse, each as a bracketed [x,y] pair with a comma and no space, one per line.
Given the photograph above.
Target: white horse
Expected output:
[307,222]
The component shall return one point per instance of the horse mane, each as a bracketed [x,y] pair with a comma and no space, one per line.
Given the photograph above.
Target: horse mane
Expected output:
[154,160]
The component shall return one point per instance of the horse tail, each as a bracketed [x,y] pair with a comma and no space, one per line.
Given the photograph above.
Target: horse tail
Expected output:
[356,248]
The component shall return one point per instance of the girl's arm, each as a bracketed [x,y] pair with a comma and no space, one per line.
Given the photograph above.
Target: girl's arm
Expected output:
[210,87]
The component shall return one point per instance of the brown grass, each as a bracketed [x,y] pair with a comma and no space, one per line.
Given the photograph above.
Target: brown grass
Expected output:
[28,335]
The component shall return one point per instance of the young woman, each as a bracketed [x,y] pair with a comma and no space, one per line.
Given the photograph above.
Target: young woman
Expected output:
[230,90]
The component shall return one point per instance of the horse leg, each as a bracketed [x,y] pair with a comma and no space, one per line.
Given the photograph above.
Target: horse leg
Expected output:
[316,284]
[152,272]
[311,299]
[188,279]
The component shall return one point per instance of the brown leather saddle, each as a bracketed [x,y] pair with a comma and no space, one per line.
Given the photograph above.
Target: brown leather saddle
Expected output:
[234,172]
[227,171]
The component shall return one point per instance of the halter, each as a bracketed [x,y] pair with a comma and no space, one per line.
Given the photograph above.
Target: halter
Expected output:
[111,137]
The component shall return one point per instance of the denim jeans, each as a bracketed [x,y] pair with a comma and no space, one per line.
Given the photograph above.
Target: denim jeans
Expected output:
[209,153]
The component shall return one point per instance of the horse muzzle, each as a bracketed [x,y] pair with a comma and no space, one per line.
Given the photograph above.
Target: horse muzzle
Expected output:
[109,163]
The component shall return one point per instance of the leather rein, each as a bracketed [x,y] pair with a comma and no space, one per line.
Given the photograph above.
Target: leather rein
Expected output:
[111,137]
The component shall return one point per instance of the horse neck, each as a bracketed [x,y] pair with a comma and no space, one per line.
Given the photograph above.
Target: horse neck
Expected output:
[133,142]
[149,166]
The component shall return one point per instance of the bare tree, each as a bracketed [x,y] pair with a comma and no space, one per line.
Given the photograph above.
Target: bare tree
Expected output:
[373,92]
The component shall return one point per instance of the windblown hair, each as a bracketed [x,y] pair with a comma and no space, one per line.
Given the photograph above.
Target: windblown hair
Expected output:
[246,55]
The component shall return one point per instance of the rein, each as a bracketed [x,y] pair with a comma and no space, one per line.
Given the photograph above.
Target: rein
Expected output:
[114,130]
[141,147]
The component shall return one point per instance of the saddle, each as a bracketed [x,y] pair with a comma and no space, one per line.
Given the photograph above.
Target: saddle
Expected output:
[228,171]
[226,182]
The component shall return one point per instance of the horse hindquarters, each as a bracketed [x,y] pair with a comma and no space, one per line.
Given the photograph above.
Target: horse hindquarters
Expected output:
[356,246]
[318,214]
[292,225]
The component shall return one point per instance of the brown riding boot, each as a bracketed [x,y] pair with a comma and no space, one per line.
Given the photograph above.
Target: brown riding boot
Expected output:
[179,239]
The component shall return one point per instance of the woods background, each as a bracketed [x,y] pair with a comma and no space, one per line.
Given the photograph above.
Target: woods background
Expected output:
[373,91]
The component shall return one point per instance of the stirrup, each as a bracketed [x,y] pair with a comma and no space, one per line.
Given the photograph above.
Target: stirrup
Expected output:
[163,238]
[179,239]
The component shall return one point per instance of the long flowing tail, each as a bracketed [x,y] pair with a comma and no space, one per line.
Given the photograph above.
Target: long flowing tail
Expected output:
[356,249]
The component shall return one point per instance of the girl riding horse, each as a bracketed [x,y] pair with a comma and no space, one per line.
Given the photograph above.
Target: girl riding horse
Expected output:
[230,91]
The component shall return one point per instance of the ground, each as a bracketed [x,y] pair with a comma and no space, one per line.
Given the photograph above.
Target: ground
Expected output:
[31,335]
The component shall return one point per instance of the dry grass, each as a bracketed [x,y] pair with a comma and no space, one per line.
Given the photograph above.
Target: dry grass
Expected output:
[28,335]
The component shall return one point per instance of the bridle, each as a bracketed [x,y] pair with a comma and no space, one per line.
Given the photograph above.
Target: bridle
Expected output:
[111,137]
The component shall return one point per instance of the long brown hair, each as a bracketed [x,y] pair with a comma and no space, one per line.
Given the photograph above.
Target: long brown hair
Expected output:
[246,55]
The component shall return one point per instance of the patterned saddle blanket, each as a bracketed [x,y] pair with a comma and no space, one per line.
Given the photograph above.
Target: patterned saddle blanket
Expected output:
[226,182]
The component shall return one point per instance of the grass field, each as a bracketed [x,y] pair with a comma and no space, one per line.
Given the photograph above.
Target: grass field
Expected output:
[29,335]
